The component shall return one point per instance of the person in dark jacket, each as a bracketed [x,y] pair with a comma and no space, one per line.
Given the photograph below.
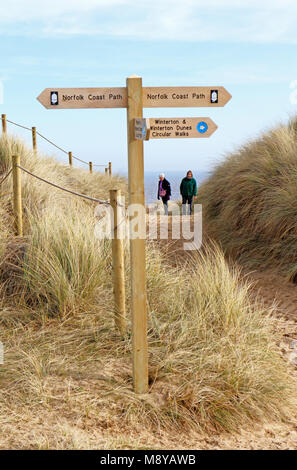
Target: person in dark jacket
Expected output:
[164,191]
[188,191]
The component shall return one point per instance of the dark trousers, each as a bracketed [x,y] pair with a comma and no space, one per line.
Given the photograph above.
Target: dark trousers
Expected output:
[165,204]
[189,200]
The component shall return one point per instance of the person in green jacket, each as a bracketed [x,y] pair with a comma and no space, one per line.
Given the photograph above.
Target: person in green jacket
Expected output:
[188,191]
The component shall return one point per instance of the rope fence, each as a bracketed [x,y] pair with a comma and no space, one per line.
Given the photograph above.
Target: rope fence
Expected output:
[17,196]
[118,258]
[19,125]
[52,143]
[117,244]
[17,192]
[108,168]
[114,202]
[63,189]
[2,181]
[6,176]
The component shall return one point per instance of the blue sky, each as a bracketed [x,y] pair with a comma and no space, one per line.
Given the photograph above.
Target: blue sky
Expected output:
[249,47]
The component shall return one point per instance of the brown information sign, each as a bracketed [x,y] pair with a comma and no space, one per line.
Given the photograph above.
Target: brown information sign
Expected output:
[183,97]
[152,97]
[72,98]
[178,128]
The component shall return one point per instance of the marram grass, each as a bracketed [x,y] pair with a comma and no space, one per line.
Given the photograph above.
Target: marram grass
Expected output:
[213,361]
[65,265]
[250,202]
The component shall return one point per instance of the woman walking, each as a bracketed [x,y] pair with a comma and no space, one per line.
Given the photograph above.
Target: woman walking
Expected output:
[188,191]
[164,191]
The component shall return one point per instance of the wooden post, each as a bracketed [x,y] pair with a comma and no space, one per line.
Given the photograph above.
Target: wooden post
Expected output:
[109,169]
[137,246]
[106,171]
[4,128]
[91,167]
[70,158]
[118,264]
[34,140]
[17,195]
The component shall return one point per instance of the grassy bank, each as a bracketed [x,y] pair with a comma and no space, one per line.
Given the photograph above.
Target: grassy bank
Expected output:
[67,379]
[249,202]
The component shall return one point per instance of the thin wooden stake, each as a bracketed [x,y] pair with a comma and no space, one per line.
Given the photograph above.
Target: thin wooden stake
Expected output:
[106,171]
[109,169]
[34,140]
[91,167]
[17,195]
[118,263]
[4,127]
[137,245]
[70,158]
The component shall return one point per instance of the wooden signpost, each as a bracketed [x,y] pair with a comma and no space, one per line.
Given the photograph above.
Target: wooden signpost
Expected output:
[134,97]
[137,245]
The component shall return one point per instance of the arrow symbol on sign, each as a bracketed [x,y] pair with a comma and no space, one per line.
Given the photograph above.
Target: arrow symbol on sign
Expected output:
[202,127]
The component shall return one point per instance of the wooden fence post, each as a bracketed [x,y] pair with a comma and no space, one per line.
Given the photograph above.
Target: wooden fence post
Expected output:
[17,195]
[70,158]
[34,140]
[106,171]
[4,128]
[137,245]
[118,264]
[91,167]
[109,169]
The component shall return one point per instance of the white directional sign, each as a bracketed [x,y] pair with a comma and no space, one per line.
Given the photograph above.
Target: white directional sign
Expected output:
[152,97]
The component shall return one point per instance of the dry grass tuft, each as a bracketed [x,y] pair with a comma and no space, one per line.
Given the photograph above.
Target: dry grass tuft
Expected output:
[249,202]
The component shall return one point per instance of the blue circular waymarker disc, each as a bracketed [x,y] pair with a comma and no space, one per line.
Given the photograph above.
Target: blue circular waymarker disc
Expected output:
[202,127]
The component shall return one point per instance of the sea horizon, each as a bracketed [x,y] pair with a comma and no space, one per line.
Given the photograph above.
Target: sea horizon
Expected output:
[151,179]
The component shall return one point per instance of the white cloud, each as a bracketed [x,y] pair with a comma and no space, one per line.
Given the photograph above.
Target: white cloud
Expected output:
[20,11]
[189,20]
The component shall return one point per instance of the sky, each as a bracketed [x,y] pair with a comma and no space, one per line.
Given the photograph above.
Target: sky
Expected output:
[249,47]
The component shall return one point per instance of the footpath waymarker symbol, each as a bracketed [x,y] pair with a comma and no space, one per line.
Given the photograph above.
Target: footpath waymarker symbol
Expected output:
[54,98]
[179,128]
[214,96]
[142,129]
[134,97]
